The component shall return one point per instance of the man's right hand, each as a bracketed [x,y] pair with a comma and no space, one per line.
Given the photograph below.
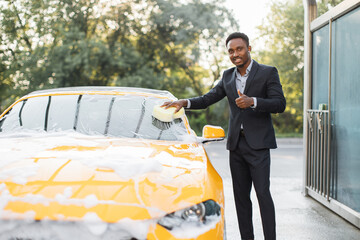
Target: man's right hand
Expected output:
[176,104]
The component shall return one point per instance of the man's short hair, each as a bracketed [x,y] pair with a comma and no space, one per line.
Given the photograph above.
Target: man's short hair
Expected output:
[238,35]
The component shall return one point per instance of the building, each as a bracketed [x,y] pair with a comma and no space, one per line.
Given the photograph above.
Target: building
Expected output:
[332,108]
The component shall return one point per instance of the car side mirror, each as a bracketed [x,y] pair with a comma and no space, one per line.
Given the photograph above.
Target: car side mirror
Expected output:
[212,133]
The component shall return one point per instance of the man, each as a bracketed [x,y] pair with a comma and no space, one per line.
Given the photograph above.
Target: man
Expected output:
[254,92]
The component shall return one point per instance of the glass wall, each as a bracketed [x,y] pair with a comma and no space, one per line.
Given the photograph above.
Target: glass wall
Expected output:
[345,108]
[320,67]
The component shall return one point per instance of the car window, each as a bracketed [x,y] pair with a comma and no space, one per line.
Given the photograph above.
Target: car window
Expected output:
[27,114]
[122,109]
[62,112]
[110,115]
[92,114]
[12,118]
[33,112]
[148,130]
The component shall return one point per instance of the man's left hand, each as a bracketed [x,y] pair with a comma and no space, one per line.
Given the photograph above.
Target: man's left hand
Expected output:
[244,101]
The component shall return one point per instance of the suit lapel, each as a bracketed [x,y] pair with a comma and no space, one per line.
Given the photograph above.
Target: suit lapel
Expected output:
[233,83]
[252,73]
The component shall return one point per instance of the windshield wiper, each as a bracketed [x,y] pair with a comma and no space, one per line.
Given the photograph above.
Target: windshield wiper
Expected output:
[109,116]
[47,114]
[77,112]
[20,112]
[141,118]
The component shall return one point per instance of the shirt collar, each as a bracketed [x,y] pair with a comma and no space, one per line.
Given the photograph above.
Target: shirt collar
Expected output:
[248,69]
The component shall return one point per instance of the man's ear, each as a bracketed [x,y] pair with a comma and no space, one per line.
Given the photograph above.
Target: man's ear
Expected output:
[249,48]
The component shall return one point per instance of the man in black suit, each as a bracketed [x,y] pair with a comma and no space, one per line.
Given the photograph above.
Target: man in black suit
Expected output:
[254,92]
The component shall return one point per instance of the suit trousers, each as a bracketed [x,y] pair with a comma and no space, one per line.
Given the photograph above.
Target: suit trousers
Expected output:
[252,167]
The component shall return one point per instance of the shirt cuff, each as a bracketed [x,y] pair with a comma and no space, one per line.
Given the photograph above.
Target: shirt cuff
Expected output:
[188,103]
[255,103]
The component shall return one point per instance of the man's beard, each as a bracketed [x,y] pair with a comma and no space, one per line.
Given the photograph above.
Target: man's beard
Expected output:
[242,65]
[247,60]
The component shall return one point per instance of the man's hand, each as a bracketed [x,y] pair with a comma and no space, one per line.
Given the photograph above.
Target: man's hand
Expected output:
[176,104]
[244,101]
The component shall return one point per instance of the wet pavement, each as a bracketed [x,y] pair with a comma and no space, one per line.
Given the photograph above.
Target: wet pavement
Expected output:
[297,217]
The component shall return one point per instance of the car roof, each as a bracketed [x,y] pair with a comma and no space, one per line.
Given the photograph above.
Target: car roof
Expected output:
[85,89]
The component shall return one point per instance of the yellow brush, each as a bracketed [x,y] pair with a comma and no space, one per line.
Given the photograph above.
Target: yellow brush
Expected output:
[163,118]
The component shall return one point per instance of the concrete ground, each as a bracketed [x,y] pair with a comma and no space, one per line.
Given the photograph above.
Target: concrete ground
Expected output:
[297,217]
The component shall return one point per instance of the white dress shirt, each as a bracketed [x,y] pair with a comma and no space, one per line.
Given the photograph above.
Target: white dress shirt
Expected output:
[241,81]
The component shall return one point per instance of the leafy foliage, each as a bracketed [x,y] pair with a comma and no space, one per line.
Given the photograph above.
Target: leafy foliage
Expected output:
[142,43]
[177,45]
[282,33]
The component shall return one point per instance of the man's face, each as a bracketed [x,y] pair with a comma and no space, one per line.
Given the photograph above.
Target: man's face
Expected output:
[239,53]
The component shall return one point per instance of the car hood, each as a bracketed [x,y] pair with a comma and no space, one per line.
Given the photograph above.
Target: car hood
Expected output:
[68,176]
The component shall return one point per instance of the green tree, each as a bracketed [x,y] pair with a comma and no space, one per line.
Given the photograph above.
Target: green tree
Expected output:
[181,37]
[142,43]
[282,32]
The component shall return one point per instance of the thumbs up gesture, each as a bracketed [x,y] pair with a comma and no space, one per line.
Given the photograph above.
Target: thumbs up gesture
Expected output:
[244,101]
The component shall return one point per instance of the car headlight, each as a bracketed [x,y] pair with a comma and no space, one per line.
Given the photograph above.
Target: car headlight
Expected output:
[197,214]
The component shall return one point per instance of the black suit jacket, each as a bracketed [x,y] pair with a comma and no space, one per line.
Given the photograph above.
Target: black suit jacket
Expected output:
[264,84]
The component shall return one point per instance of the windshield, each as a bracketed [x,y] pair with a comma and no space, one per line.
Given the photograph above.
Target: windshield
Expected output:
[109,115]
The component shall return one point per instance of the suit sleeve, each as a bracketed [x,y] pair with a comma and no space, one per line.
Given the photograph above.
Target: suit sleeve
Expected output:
[274,102]
[214,95]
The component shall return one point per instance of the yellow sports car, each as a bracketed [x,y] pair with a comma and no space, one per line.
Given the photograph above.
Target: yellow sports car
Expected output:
[106,163]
